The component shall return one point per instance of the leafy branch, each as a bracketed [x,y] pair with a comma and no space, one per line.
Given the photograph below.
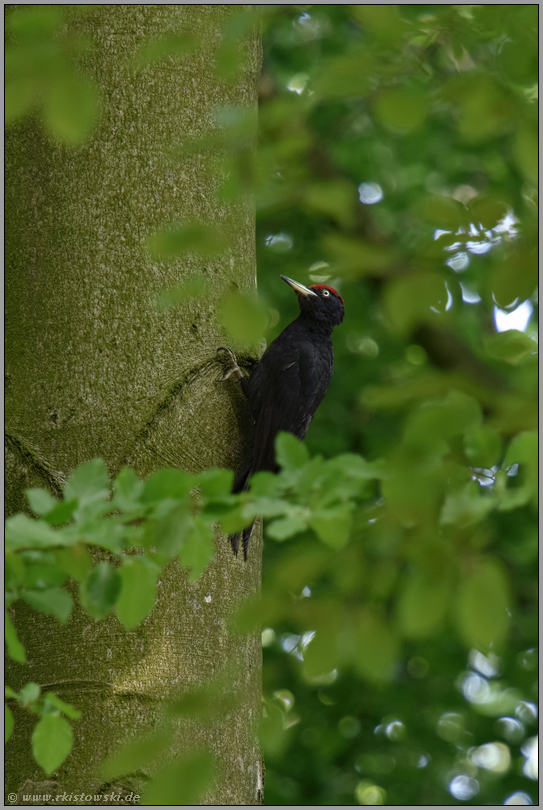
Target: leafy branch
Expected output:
[143,525]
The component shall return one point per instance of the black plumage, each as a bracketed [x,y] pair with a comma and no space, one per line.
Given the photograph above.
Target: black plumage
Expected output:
[289,382]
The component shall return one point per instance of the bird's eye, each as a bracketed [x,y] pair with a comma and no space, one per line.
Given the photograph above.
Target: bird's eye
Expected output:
[325,293]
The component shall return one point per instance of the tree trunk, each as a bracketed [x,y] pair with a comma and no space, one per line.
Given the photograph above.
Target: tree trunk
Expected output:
[92,369]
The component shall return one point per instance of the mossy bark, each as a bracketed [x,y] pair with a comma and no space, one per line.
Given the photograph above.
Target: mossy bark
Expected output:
[92,369]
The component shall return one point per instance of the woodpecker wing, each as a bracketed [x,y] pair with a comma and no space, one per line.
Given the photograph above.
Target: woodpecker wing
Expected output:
[286,388]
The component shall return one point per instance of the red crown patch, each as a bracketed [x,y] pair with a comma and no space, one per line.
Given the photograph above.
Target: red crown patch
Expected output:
[326,287]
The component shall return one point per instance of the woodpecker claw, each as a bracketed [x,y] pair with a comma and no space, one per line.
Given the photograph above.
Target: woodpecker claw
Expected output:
[235,368]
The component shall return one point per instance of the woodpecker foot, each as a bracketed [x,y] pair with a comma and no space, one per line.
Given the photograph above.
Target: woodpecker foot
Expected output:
[235,368]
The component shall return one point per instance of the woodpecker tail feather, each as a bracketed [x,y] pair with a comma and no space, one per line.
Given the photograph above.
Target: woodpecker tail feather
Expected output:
[240,481]
[234,542]
[245,536]
[240,485]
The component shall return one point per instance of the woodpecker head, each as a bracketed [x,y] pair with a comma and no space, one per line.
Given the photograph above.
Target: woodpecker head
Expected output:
[319,302]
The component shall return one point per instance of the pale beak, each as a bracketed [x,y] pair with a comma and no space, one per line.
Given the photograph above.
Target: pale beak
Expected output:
[298,288]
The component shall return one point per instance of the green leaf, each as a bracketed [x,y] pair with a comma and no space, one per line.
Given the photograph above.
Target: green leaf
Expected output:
[168,533]
[15,571]
[234,521]
[209,701]
[168,47]
[265,507]
[441,211]
[523,449]
[136,755]
[353,465]
[195,286]
[518,58]
[315,479]
[198,549]
[41,502]
[272,735]
[127,489]
[100,590]
[70,108]
[383,21]
[411,496]
[423,602]
[62,513]
[112,533]
[526,152]
[15,648]
[348,74]
[487,210]
[228,60]
[482,605]
[377,648]
[514,498]
[25,532]
[53,601]
[243,318]
[253,611]
[214,510]
[66,708]
[215,483]
[168,483]
[287,527]
[402,109]
[265,484]
[35,21]
[29,693]
[335,198]
[88,482]
[513,275]
[51,742]
[442,419]
[355,258]
[229,57]
[290,452]
[321,654]
[485,107]
[513,347]
[466,507]
[75,561]
[203,240]
[21,94]
[184,782]
[138,591]
[8,723]
[413,299]
[483,446]
[332,525]
[42,576]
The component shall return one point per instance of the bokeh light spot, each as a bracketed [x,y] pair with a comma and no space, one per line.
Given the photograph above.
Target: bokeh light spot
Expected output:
[370,193]
[517,319]
[463,787]
[367,793]
[519,798]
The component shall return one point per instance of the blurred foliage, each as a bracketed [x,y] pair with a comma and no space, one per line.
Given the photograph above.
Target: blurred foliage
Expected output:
[43,58]
[397,161]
